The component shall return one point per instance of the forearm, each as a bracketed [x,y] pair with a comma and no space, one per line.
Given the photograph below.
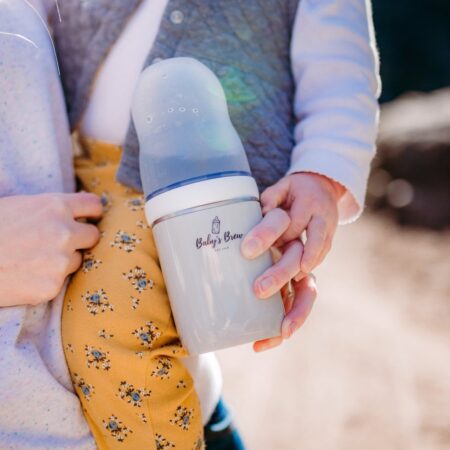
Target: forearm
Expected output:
[335,66]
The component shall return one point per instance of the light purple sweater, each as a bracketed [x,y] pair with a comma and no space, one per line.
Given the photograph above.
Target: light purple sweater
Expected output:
[39,408]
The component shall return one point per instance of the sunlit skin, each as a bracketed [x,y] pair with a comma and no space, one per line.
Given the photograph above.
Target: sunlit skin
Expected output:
[297,202]
[300,202]
[40,240]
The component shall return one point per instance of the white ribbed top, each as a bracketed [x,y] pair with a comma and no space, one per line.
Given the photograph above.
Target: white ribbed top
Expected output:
[199,194]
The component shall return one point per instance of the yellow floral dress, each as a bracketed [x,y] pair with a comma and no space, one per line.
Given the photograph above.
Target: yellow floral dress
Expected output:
[119,337]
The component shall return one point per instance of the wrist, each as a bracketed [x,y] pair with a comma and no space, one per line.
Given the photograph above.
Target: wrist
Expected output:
[336,188]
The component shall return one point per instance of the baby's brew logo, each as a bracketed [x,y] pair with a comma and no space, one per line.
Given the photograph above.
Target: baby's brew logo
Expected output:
[215,238]
[215,228]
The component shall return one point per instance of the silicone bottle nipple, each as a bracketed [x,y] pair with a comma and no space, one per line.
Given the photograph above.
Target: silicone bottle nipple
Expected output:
[185,133]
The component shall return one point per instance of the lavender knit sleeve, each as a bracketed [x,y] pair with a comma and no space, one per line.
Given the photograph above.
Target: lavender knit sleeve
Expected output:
[35,147]
[39,408]
[335,66]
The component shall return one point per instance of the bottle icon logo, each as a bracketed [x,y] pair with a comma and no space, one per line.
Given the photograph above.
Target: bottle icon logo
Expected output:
[215,228]
[214,240]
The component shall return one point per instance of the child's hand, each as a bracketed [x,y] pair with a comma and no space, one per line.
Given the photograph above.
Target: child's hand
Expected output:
[311,203]
[298,202]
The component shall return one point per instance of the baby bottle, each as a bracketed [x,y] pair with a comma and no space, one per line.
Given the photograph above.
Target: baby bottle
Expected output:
[201,200]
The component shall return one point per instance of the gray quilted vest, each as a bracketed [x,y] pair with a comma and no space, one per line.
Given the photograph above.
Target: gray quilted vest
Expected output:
[245,43]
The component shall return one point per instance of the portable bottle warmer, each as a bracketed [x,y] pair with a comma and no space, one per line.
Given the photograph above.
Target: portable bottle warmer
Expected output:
[201,200]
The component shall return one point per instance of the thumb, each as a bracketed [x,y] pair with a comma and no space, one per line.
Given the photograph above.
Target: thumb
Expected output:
[275,195]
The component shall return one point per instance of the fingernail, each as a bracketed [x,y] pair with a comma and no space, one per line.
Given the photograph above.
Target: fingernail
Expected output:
[267,346]
[266,283]
[262,348]
[251,247]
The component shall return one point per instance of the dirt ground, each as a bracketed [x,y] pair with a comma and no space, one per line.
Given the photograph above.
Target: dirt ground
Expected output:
[370,370]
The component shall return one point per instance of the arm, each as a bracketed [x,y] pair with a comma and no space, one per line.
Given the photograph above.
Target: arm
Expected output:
[335,67]
[39,234]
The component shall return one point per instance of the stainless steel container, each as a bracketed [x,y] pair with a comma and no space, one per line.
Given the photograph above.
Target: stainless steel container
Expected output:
[201,200]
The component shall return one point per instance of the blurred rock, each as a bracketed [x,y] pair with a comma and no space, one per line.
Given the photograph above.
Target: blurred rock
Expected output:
[411,173]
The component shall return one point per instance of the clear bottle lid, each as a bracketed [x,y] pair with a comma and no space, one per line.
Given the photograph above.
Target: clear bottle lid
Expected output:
[185,133]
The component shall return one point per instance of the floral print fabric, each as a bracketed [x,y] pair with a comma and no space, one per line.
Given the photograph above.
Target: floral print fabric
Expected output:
[119,337]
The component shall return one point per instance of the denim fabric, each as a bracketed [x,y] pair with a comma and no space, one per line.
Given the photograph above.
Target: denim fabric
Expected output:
[220,433]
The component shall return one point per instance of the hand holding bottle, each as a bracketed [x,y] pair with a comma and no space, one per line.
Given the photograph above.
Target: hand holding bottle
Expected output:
[301,202]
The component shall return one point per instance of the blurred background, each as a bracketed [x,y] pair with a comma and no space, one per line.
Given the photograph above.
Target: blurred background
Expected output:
[370,369]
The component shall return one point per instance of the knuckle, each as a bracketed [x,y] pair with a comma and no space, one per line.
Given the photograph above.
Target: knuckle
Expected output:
[95,232]
[279,221]
[308,200]
[65,236]
[318,234]
[283,217]
[260,233]
[57,205]
[282,274]
[316,202]
[268,230]
[296,227]
[51,287]
[321,235]
[61,264]
[320,223]
[91,232]
[77,261]
[96,204]
[266,194]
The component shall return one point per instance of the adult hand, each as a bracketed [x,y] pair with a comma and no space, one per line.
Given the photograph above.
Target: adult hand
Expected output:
[40,239]
[301,202]
[298,305]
